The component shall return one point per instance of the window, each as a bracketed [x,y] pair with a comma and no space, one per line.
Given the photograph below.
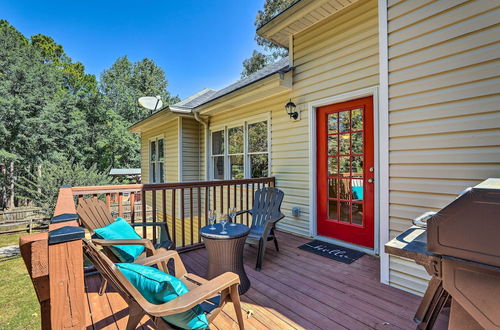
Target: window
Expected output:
[218,155]
[240,151]
[157,160]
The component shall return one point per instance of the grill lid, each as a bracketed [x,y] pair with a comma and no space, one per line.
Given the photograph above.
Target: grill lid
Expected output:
[469,227]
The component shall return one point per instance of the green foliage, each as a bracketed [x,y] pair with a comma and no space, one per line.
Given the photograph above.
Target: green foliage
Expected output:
[43,189]
[255,63]
[50,109]
[274,52]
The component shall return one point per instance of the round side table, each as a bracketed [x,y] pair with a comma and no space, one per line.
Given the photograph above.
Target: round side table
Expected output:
[225,252]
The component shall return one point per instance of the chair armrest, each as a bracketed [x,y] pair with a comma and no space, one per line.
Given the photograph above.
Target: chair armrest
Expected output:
[278,218]
[139,241]
[147,224]
[243,212]
[194,296]
[159,257]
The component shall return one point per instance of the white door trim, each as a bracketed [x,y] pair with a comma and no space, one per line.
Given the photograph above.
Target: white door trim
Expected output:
[312,106]
[383,138]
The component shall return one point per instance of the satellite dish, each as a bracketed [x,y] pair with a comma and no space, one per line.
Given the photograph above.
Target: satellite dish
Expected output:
[152,103]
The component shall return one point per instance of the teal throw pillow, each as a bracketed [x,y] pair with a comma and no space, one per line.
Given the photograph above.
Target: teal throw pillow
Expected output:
[158,287]
[121,229]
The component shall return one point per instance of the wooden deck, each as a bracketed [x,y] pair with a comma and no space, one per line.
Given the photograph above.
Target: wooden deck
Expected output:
[294,290]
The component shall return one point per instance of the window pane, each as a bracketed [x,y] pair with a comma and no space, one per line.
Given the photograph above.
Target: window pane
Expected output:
[332,123]
[345,144]
[357,166]
[332,166]
[235,140]
[333,144]
[345,211]
[357,213]
[344,125]
[257,137]
[161,150]
[218,143]
[152,151]
[344,168]
[332,188]
[357,143]
[259,166]
[332,210]
[153,172]
[357,189]
[218,165]
[161,172]
[345,188]
[357,119]
[236,166]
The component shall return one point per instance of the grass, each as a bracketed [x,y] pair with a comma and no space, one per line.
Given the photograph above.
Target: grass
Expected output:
[20,307]
[11,239]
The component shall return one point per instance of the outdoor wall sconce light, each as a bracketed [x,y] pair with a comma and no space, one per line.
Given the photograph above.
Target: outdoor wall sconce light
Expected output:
[290,110]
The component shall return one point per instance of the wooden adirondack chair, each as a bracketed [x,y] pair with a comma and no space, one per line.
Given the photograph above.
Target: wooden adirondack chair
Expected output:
[94,214]
[212,295]
[266,212]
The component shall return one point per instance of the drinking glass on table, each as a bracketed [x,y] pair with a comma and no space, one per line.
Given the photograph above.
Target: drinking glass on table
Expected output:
[223,221]
[211,219]
[232,215]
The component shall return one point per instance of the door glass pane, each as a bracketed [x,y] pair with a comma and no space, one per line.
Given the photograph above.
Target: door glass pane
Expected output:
[357,189]
[235,140]
[333,188]
[333,147]
[344,125]
[161,172]
[357,119]
[259,165]
[218,167]
[357,143]
[218,143]
[344,166]
[344,211]
[332,210]
[345,188]
[161,150]
[332,123]
[345,144]
[236,166]
[357,166]
[257,137]
[332,166]
[357,213]
[152,151]
[153,172]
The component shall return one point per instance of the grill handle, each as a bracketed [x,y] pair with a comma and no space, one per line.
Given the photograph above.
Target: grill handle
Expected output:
[421,220]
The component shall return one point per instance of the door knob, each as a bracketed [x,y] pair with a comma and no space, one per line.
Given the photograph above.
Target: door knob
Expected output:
[371,180]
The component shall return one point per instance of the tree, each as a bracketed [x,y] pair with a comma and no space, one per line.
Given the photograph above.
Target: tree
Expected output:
[274,52]
[255,63]
[43,189]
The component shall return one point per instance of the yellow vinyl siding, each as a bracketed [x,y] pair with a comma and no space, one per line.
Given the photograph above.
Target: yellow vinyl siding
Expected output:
[444,114]
[190,150]
[334,56]
[171,144]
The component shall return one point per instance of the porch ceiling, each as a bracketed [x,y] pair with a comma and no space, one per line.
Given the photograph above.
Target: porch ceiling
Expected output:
[299,17]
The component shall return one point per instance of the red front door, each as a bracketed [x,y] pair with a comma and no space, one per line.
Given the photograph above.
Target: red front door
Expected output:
[345,171]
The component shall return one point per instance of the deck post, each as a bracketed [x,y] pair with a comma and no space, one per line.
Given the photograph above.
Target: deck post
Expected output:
[65,257]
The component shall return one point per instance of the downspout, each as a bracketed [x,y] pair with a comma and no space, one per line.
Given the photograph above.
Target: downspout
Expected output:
[205,125]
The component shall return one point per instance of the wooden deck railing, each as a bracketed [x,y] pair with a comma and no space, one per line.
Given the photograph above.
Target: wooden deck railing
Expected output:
[184,206]
[55,259]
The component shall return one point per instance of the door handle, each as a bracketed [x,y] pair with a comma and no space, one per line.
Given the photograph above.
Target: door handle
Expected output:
[371,180]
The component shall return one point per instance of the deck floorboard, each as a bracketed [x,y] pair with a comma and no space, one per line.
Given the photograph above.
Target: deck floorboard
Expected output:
[295,290]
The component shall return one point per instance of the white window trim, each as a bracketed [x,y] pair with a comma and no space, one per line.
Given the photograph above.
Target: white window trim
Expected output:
[156,138]
[235,123]
[381,166]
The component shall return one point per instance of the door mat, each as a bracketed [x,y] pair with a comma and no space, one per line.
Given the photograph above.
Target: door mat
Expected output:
[332,251]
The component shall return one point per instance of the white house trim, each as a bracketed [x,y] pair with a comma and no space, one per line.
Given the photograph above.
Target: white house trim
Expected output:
[312,106]
[383,138]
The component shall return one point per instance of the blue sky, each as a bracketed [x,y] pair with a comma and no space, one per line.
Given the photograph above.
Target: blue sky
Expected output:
[198,43]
